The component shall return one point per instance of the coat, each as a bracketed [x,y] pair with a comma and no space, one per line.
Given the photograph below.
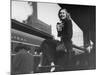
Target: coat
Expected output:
[22,63]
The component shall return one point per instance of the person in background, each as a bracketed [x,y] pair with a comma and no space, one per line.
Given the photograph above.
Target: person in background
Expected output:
[65,31]
[22,63]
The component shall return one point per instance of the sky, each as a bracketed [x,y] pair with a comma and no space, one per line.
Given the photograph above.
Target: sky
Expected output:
[21,10]
[48,13]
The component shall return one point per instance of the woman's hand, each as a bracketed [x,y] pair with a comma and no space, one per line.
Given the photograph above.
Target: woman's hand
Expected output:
[59,26]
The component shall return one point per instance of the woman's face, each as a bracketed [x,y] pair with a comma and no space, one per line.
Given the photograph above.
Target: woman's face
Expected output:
[63,14]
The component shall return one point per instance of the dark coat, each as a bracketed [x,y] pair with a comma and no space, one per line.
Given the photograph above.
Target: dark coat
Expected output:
[66,30]
[22,63]
[66,36]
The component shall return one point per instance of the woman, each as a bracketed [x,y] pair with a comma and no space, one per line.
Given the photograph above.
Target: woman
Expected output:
[64,29]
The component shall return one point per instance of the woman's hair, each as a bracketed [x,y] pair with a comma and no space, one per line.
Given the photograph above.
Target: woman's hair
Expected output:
[21,46]
[66,14]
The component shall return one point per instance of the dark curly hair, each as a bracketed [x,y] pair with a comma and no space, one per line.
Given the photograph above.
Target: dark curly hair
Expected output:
[21,46]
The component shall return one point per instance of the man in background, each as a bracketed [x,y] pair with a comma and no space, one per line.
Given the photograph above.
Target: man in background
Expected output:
[22,62]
